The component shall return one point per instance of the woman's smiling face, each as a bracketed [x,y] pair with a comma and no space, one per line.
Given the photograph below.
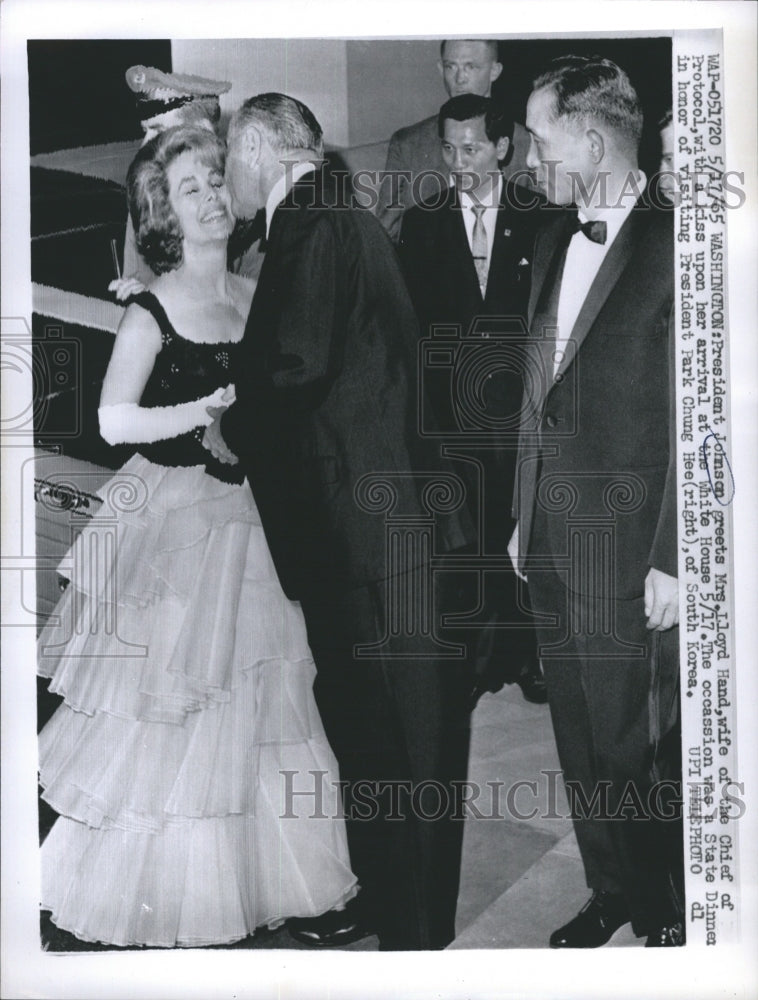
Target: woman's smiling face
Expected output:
[200,199]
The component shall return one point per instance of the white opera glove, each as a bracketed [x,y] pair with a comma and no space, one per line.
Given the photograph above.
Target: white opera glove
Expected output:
[131,423]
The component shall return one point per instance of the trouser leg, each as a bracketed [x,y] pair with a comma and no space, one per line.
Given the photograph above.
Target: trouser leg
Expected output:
[399,728]
[616,727]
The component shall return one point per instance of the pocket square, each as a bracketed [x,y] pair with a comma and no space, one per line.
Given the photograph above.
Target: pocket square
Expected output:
[523,262]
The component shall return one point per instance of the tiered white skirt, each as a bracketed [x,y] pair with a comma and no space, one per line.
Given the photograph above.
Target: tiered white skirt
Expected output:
[197,793]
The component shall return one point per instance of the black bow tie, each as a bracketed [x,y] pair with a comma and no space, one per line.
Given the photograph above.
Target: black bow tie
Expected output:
[258,230]
[595,231]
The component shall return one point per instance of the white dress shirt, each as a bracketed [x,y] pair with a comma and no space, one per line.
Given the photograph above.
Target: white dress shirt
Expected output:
[281,189]
[583,261]
[489,216]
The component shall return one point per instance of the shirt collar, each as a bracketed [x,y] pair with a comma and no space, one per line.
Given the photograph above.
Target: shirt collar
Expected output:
[283,185]
[468,202]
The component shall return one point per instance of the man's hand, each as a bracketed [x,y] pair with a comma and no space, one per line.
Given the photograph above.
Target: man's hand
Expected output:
[213,440]
[513,553]
[661,600]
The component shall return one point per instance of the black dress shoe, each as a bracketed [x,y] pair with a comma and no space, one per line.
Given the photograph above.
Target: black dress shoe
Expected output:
[667,937]
[532,683]
[331,929]
[595,924]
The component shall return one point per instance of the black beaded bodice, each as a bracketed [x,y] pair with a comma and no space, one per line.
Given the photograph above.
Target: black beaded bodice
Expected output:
[186,370]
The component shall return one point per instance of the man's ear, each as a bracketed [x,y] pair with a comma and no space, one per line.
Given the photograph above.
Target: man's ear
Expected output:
[503,145]
[495,71]
[441,68]
[252,145]
[595,145]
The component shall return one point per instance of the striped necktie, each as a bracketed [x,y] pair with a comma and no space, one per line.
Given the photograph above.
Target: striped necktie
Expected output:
[479,247]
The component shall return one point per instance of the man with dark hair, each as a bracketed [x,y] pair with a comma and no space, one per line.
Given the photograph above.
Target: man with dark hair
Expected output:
[465,256]
[467,66]
[325,426]
[596,498]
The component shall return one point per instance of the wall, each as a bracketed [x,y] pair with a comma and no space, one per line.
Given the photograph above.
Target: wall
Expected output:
[360,90]
[390,83]
[313,70]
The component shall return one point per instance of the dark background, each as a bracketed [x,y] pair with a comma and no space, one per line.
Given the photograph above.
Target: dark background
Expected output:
[77,92]
[647,62]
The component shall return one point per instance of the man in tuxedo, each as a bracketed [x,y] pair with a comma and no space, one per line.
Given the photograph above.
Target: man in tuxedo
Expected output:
[466,260]
[325,426]
[596,498]
[415,169]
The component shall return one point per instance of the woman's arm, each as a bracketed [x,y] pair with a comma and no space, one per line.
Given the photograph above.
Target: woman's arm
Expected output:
[122,419]
[138,342]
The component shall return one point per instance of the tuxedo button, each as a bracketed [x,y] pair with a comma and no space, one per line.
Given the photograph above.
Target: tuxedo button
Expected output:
[551,420]
[558,377]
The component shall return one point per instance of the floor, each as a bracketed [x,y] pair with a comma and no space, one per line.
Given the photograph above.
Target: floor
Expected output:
[521,877]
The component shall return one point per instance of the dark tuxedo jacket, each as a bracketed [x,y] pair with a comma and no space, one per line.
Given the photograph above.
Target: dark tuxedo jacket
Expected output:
[436,259]
[490,333]
[416,148]
[326,395]
[598,439]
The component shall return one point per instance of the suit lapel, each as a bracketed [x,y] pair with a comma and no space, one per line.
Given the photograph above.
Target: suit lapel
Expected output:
[547,245]
[303,194]
[501,245]
[610,271]
[463,261]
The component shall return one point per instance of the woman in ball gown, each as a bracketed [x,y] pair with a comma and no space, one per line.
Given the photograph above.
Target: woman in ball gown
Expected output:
[188,724]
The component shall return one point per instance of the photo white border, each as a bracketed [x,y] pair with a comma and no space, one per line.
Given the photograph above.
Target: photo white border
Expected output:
[688,972]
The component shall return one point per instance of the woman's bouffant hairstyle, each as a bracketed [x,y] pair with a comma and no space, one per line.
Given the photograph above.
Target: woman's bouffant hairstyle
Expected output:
[159,235]
[202,110]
